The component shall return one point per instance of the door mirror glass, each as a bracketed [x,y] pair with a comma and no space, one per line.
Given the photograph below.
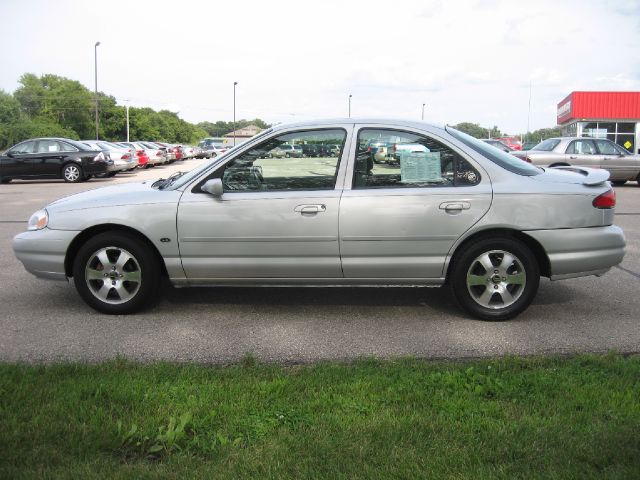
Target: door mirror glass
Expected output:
[213,187]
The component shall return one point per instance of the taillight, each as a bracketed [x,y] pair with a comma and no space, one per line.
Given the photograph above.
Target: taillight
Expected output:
[125,157]
[140,153]
[159,153]
[605,200]
[526,159]
[395,147]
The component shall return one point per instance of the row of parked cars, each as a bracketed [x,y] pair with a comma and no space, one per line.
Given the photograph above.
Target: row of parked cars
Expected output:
[77,161]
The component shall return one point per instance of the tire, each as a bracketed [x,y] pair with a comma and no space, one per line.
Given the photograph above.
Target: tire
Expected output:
[5,180]
[618,183]
[72,173]
[287,155]
[514,283]
[134,283]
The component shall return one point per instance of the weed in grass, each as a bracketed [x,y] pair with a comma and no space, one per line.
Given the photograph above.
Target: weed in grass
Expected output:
[173,437]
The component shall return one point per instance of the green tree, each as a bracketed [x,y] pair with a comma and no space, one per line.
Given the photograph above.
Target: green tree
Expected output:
[477,131]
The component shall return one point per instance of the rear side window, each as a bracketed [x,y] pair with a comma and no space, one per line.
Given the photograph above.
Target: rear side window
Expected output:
[606,148]
[398,159]
[582,147]
[547,145]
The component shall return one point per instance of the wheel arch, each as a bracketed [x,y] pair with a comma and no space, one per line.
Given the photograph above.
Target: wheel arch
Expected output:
[536,248]
[85,235]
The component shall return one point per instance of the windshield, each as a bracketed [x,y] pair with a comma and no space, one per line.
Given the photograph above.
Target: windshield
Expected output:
[504,159]
[196,172]
[547,145]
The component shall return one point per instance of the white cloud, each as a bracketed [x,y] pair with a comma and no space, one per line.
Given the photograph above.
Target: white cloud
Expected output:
[469,60]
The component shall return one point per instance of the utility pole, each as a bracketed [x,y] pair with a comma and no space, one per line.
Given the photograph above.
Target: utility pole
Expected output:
[350,105]
[423,110]
[529,112]
[234,113]
[95,58]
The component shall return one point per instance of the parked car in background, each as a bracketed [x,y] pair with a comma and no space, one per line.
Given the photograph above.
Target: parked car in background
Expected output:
[310,150]
[585,152]
[52,158]
[156,153]
[121,157]
[140,152]
[461,213]
[498,144]
[513,143]
[287,151]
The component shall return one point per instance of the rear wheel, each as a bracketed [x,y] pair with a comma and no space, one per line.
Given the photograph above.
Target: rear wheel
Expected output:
[72,173]
[115,273]
[5,180]
[618,183]
[495,278]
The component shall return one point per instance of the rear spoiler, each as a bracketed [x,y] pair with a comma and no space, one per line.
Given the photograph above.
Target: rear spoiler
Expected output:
[593,176]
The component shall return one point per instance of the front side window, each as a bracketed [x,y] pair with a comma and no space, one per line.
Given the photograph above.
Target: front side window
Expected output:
[607,148]
[280,164]
[395,159]
[24,147]
[581,147]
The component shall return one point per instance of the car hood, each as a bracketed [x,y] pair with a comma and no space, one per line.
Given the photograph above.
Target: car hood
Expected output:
[115,195]
[575,175]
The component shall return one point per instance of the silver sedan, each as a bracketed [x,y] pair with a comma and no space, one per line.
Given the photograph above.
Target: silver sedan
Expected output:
[585,152]
[455,211]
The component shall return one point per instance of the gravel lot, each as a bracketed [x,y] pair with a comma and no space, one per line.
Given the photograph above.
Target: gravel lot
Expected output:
[46,321]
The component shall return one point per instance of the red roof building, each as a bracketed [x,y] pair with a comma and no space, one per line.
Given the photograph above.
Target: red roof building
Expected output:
[612,115]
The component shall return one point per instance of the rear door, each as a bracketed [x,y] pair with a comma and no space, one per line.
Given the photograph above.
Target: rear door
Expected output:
[49,158]
[400,219]
[582,152]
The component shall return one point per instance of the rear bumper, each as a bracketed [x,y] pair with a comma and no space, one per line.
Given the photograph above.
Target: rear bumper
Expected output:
[578,252]
[42,252]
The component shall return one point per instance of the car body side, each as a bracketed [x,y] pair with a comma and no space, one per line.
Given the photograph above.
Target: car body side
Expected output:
[521,206]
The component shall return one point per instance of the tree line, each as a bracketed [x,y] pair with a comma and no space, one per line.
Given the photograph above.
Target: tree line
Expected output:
[54,106]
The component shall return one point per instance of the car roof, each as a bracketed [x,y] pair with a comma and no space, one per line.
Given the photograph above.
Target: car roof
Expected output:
[382,121]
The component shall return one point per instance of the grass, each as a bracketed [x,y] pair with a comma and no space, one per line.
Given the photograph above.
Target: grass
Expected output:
[508,418]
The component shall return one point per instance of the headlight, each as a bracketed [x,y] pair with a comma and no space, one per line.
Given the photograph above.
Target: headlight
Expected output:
[38,220]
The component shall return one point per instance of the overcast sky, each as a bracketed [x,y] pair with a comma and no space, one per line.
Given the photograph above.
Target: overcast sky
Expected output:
[467,60]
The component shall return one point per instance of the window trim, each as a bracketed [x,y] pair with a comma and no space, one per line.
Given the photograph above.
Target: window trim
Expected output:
[429,135]
[218,170]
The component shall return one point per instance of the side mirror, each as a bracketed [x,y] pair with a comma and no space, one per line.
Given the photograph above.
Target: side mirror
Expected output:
[213,187]
[9,154]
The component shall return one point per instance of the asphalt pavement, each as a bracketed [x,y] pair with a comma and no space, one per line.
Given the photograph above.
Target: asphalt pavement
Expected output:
[44,321]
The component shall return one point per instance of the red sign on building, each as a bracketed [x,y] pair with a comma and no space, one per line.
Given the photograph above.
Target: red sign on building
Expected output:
[599,105]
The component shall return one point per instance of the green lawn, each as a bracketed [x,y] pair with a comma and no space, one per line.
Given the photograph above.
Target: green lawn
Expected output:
[507,418]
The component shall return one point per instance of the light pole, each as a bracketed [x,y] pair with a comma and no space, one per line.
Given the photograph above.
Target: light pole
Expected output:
[126,106]
[350,105]
[234,113]
[423,110]
[95,58]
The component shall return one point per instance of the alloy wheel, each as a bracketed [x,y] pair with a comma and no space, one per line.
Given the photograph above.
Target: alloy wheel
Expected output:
[113,275]
[496,279]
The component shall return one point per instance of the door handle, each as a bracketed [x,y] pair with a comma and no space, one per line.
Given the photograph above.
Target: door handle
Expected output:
[310,208]
[457,206]
[573,158]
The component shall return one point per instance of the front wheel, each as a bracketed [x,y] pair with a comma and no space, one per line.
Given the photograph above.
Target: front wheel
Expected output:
[495,278]
[72,173]
[115,273]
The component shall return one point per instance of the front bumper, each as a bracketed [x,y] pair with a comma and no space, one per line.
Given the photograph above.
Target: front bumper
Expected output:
[42,252]
[577,252]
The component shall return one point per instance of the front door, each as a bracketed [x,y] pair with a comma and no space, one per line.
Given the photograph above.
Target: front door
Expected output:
[277,217]
[18,162]
[619,163]
[406,209]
